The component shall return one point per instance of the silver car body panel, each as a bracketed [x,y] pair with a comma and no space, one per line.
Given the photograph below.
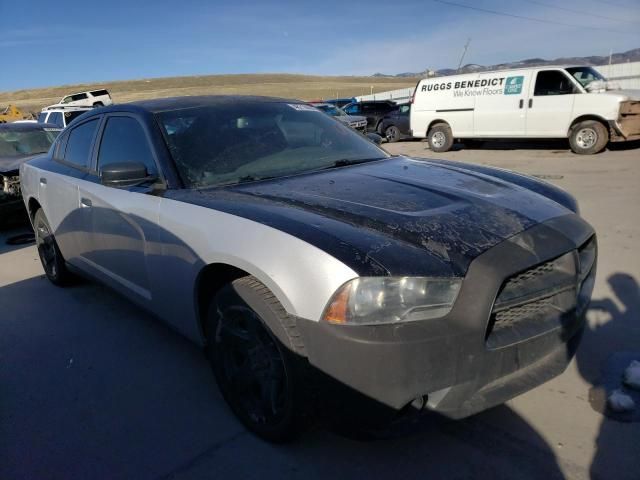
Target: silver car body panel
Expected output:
[157,247]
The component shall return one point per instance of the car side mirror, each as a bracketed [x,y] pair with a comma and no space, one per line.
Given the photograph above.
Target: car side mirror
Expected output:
[125,174]
[375,138]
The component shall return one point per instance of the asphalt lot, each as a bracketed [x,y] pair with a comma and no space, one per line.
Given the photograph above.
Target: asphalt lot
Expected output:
[93,387]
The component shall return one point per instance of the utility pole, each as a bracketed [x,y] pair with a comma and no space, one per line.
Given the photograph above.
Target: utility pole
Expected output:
[464,52]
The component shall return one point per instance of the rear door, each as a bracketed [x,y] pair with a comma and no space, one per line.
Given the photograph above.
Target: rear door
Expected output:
[500,109]
[58,189]
[123,220]
[550,105]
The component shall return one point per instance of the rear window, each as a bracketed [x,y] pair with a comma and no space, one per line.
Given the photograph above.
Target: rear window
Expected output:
[79,144]
[99,93]
[42,117]
[56,119]
[71,116]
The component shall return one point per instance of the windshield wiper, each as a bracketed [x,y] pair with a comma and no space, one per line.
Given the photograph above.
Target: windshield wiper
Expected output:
[343,162]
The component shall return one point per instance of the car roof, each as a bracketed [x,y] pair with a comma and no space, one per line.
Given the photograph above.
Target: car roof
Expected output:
[178,103]
[62,108]
[27,127]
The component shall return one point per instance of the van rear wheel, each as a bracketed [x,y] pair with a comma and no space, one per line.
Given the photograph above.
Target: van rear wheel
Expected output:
[440,138]
[588,137]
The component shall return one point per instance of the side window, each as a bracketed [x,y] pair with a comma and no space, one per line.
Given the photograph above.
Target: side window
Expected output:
[42,116]
[124,140]
[58,151]
[353,109]
[79,96]
[553,82]
[404,110]
[79,144]
[56,119]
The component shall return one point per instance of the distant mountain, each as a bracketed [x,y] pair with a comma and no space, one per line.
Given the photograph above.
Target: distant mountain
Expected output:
[629,56]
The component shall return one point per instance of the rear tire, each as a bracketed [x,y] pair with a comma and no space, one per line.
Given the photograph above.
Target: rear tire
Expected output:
[440,138]
[98,104]
[53,263]
[262,380]
[588,137]
[392,133]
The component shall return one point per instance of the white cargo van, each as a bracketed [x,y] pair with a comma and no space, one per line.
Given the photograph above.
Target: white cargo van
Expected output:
[543,102]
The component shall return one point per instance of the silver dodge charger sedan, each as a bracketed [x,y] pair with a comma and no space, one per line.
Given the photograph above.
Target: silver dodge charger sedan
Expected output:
[295,250]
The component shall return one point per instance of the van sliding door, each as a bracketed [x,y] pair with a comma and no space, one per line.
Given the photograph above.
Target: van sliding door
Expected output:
[501,104]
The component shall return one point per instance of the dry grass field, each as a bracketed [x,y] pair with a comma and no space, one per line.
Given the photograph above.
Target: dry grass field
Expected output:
[303,87]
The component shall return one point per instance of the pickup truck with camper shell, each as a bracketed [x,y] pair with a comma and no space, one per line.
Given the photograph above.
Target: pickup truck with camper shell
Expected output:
[574,102]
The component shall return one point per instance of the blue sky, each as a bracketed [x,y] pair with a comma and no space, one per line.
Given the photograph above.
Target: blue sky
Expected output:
[46,43]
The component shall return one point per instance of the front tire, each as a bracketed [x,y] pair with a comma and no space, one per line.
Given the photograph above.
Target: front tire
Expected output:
[588,137]
[259,377]
[440,138]
[53,262]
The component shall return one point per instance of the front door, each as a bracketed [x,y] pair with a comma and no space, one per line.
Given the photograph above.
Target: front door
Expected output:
[123,220]
[550,104]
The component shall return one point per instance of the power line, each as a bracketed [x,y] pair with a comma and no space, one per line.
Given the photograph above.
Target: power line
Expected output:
[548,5]
[522,17]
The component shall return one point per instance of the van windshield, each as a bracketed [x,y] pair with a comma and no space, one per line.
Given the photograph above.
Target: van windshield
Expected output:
[586,75]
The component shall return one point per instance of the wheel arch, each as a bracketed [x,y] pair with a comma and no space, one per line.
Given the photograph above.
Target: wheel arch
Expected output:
[32,207]
[435,122]
[583,118]
[212,278]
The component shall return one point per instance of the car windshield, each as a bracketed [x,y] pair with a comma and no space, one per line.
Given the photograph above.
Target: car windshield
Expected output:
[15,143]
[585,75]
[331,110]
[236,142]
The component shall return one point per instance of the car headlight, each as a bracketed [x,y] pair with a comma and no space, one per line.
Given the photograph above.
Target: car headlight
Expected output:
[383,300]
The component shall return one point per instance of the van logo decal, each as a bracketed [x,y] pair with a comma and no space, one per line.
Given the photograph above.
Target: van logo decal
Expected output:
[513,85]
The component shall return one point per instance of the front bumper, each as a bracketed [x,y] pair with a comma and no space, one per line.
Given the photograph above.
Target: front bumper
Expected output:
[449,363]
[627,126]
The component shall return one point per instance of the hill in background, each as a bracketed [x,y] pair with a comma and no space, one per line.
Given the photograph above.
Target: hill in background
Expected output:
[628,56]
[304,87]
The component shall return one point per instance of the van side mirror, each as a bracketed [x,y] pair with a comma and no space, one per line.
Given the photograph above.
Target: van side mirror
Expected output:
[125,174]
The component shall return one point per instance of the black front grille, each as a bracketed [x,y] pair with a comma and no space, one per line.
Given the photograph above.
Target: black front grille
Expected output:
[536,300]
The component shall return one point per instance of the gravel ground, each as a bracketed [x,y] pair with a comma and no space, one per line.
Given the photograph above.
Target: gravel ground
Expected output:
[92,387]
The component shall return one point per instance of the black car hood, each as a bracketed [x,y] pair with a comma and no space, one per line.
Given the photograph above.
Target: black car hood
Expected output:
[401,216]
[10,164]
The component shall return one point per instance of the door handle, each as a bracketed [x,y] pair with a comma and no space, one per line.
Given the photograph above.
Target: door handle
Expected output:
[85,202]
[521,103]
[43,181]
[530,102]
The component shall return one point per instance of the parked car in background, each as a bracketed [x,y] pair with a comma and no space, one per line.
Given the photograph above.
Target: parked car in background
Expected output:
[61,116]
[19,142]
[395,125]
[576,103]
[92,98]
[290,245]
[355,122]
[341,102]
[374,111]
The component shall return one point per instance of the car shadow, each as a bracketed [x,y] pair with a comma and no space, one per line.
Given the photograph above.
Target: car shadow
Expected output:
[94,387]
[15,233]
[610,342]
